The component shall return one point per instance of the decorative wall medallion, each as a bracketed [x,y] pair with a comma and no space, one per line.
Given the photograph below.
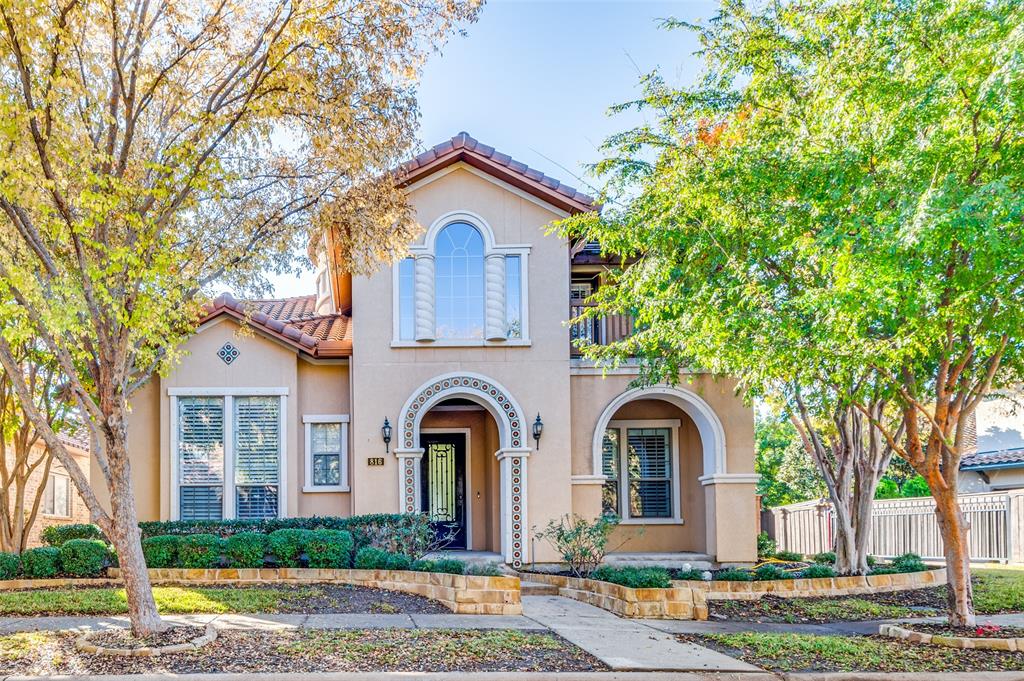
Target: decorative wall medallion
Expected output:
[228,353]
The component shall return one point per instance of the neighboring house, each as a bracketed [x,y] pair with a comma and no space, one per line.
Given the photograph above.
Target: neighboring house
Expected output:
[997,461]
[457,353]
[61,504]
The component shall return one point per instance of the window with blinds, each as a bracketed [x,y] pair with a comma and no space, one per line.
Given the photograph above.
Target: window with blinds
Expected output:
[326,452]
[257,455]
[57,496]
[200,457]
[610,469]
[649,467]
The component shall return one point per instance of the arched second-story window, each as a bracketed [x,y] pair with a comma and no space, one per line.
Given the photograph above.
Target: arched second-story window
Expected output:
[459,282]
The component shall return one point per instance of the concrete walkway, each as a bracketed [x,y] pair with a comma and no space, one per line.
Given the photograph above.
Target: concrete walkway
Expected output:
[624,644]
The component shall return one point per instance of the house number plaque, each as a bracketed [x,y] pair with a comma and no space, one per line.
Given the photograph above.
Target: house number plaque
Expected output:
[375,461]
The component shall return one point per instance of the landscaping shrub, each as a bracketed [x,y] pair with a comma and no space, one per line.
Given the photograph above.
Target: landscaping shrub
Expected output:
[371,558]
[41,563]
[422,565]
[580,542]
[398,561]
[771,571]
[83,557]
[161,552]
[246,549]
[410,534]
[872,561]
[361,526]
[692,574]
[484,570]
[883,570]
[56,535]
[734,575]
[908,562]
[825,558]
[451,566]
[634,577]
[200,551]
[789,556]
[286,545]
[10,563]
[818,571]
[329,549]
[766,546]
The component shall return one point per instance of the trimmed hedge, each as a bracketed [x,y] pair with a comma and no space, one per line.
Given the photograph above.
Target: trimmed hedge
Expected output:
[56,535]
[789,556]
[200,551]
[83,557]
[693,574]
[225,528]
[818,571]
[329,549]
[41,563]
[10,565]
[733,575]
[246,549]
[634,577]
[287,545]
[370,558]
[161,552]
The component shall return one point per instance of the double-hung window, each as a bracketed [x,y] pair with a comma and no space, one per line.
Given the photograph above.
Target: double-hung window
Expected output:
[326,453]
[640,465]
[57,496]
[228,454]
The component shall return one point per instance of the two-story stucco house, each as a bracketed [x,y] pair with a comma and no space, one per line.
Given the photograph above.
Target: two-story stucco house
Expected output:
[422,387]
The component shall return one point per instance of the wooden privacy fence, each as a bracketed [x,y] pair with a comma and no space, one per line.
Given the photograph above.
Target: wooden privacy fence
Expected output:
[909,525]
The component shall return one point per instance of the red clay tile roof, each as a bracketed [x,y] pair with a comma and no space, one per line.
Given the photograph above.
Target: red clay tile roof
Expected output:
[464,148]
[291,321]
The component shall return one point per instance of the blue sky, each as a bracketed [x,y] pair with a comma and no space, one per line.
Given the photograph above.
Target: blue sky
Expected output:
[535,80]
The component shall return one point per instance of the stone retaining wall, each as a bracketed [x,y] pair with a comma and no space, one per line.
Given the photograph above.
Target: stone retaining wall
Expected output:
[462,594]
[824,586]
[681,602]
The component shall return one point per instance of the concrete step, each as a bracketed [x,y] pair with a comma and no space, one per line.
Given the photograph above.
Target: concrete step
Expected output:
[697,561]
[538,589]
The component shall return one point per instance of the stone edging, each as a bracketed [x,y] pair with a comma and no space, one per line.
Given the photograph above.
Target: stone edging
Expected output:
[462,594]
[894,631]
[824,586]
[83,644]
[678,603]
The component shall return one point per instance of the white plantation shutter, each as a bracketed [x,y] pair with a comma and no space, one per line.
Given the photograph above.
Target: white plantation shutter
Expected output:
[201,457]
[649,464]
[257,445]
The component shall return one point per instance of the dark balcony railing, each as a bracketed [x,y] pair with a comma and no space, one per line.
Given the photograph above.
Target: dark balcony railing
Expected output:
[599,330]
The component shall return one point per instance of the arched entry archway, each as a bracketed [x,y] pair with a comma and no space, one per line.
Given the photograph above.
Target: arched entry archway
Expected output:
[512,452]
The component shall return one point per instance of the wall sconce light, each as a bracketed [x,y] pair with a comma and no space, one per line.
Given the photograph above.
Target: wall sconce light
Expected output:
[538,428]
[385,432]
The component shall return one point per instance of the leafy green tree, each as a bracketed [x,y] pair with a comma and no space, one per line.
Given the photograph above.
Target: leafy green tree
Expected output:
[152,150]
[833,214]
[788,474]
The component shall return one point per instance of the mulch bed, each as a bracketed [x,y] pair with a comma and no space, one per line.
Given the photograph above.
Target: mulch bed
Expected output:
[771,608]
[980,631]
[123,638]
[886,655]
[307,651]
[345,598]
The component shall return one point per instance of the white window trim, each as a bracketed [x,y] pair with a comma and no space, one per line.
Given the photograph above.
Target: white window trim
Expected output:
[308,420]
[673,426]
[71,501]
[228,508]
[428,246]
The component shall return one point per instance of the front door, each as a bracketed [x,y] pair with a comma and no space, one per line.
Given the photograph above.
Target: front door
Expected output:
[444,485]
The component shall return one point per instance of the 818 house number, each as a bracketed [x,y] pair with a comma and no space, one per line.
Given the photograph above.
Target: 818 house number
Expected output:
[375,461]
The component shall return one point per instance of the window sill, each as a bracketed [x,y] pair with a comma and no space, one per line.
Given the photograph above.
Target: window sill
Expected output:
[51,516]
[652,521]
[324,489]
[454,343]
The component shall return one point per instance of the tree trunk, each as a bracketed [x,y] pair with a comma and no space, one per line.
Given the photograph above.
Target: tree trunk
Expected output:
[846,539]
[127,540]
[954,528]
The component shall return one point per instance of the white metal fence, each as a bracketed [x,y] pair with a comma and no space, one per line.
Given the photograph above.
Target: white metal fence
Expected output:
[909,525]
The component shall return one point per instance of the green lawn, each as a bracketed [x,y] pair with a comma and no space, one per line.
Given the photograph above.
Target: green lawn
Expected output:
[794,610]
[169,599]
[801,652]
[999,590]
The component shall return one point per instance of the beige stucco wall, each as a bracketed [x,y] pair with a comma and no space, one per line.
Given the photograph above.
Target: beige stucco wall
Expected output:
[323,389]
[537,376]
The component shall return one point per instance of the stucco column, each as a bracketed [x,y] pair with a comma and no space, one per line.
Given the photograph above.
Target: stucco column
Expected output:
[409,479]
[424,297]
[512,463]
[494,297]
[731,516]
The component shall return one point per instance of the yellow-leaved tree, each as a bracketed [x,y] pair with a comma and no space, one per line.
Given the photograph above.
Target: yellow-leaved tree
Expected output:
[151,148]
